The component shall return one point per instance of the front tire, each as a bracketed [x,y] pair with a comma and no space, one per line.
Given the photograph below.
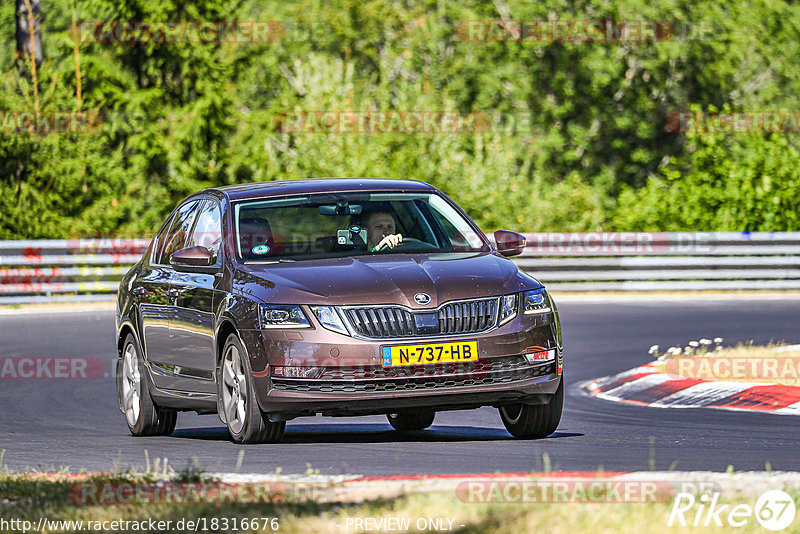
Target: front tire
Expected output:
[144,417]
[237,398]
[406,421]
[534,421]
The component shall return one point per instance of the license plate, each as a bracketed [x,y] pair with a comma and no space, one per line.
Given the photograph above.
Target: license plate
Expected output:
[463,351]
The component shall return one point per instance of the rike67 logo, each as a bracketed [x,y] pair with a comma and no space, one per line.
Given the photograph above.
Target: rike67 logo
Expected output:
[774,510]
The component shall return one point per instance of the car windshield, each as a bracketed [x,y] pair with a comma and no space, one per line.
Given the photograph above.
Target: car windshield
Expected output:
[350,224]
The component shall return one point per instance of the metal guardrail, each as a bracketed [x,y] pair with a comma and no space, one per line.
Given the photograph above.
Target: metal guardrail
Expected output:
[90,269]
[647,261]
[65,269]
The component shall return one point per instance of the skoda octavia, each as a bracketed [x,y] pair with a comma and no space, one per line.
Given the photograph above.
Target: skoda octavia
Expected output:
[343,297]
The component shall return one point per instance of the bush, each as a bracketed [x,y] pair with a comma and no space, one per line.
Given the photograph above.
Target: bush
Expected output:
[579,138]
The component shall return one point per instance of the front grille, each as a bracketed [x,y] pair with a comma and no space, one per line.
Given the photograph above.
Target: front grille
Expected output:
[381,322]
[466,317]
[509,373]
[462,317]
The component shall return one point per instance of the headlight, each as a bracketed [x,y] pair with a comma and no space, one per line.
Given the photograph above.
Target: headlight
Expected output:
[536,301]
[329,318]
[508,308]
[282,316]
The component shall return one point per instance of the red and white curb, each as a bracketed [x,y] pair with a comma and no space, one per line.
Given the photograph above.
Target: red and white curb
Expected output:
[649,386]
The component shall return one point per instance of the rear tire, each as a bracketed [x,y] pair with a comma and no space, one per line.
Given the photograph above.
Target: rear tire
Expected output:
[406,421]
[237,398]
[534,421]
[144,417]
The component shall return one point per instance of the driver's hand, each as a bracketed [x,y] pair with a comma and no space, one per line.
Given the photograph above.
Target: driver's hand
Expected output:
[390,241]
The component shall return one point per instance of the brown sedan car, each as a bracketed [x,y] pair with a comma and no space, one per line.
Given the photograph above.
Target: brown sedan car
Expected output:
[266,302]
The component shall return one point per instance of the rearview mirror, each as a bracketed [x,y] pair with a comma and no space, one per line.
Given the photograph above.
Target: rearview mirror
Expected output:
[193,260]
[340,208]
[509,243]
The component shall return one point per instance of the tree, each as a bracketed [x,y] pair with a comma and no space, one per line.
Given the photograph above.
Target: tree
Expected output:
[29,35]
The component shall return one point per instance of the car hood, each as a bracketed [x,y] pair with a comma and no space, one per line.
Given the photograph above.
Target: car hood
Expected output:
[385,279]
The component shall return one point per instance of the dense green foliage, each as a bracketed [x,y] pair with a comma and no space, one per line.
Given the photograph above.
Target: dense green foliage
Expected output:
[579,139]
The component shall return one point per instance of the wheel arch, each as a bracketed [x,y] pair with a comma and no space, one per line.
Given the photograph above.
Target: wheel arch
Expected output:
[225,329]
[125,329]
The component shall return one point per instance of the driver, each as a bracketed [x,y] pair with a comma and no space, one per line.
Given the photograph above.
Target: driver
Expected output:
[380,231]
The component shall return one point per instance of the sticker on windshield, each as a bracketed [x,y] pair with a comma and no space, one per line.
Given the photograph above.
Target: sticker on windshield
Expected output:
[261,249]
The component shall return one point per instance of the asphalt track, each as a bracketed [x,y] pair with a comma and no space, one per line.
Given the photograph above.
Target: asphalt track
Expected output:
[52,424]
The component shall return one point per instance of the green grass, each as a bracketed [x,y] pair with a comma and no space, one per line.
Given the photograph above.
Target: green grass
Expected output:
[29,498]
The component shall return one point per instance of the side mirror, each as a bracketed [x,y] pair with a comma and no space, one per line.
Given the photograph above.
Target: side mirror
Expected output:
[193,260]
[509,243]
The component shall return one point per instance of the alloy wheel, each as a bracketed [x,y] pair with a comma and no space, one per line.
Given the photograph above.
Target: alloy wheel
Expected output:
[131,385]
[234,390]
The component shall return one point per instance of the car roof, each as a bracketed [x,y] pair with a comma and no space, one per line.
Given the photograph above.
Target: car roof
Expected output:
[318,185]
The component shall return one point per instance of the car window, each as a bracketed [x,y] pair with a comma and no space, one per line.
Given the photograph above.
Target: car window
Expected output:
[460,234]
[208,229]
[411,219]
[175,237]
[158,246]
[325,226]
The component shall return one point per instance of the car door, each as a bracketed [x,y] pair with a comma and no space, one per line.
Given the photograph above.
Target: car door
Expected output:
[191,344]
[157,302]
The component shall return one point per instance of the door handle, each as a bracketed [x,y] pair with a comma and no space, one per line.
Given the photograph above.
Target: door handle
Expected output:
[139,291]
[174,293]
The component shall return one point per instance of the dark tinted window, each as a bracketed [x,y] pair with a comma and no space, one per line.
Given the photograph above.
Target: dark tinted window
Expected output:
[175,237]
[158,246]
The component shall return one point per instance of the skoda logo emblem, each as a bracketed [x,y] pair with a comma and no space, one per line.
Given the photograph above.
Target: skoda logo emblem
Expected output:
[422,298]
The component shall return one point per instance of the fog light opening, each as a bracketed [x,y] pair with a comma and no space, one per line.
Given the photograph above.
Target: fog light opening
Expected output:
[297,372]
[539,354]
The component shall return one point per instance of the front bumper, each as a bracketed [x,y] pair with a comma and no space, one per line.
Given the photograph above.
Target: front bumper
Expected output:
[288,404]
[355,383]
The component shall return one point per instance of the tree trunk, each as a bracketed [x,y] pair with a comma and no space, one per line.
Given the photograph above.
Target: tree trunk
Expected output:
[26,48]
